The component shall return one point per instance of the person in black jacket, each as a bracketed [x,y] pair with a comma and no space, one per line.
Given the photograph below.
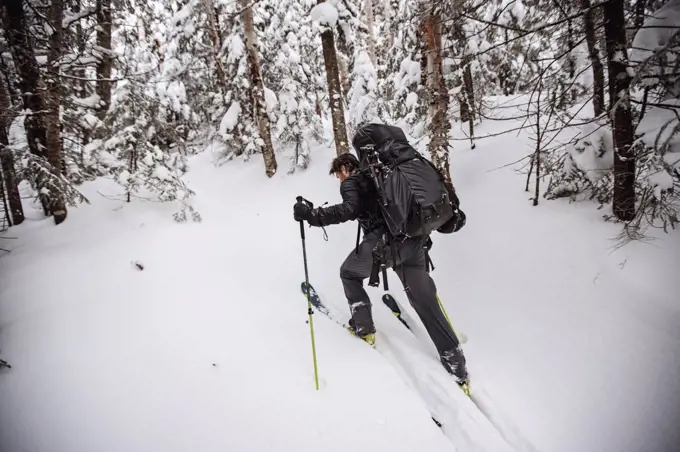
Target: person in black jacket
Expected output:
[360,202]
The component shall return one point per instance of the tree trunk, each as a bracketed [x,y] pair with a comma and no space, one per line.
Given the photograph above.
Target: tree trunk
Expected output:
[53,102]
[390,16]
[463,101]
[466,97]
[571,62]
[31,86]
[7,160]
[10,180]
[216,43]
[439,126]
[470,93]
[345,57]
[594,55]
[105,62]
[330,58]
[598,22]
[257,90]
[469,90]
[619,82]
[82,84]
[370,26]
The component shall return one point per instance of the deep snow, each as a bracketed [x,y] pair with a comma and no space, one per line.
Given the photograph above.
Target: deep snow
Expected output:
[572,342]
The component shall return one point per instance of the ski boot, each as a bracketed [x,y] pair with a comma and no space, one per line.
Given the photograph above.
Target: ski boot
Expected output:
[366,336]
[454,363]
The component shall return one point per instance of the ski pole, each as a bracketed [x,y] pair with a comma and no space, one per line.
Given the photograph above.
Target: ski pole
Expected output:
[309,304]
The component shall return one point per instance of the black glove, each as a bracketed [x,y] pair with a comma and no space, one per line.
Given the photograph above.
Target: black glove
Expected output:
[455,224]
[457,221]
[302,211]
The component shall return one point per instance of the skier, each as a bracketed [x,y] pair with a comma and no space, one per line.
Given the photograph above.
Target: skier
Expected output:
[360,201]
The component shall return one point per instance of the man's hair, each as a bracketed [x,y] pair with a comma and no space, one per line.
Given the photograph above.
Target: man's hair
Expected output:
[345,160]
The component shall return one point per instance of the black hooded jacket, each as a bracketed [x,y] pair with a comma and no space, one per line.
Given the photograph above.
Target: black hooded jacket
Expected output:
[359,202]
[359,194]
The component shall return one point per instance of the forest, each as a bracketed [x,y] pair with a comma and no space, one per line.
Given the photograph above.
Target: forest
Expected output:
[129,89]
[156,290]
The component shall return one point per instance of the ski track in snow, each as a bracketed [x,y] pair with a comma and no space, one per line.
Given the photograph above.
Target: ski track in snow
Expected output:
[471,425]
[572,346]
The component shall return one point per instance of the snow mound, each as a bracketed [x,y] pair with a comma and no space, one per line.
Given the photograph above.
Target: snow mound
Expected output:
[325,14]
[593,152]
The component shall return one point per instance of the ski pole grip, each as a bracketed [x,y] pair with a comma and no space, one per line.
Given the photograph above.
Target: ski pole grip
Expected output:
[302,225]
[306,201]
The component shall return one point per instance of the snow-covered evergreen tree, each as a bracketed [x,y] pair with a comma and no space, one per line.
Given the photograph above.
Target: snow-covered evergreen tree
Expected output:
[296,72]
[237,129]
[363,101]
[400,90]
[149,116]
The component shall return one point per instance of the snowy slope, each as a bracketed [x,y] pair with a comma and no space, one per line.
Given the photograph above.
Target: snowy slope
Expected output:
[577,340]
[109,358]
[572,346]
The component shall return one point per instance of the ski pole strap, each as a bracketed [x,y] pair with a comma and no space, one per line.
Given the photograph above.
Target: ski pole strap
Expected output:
[428,262]
[384,274]
[356,248]
[374,279]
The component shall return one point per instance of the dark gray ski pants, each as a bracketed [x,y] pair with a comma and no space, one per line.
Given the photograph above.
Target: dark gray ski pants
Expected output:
[419,286]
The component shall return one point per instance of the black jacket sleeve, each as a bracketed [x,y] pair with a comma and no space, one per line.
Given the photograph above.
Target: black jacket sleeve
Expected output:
[347,210]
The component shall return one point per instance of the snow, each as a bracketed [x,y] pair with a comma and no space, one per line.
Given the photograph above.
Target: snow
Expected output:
[518,10]
[183,14]
[236,48]
[661,181]
[230,118]
[362,102]
[411,100]
[657,31]
[162,173]
[656,129]
[325,13]
[510,10]
[572,345]
[91,101]
[270,100]
[593,152]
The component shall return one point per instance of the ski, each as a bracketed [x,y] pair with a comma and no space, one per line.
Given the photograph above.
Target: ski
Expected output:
[316,302]
[392,304]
